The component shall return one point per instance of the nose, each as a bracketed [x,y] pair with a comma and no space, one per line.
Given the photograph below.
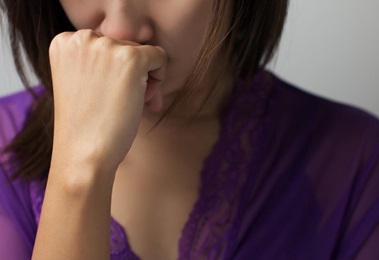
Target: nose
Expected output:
[126,21]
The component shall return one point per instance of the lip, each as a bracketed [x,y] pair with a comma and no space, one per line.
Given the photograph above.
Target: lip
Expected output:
[151,88]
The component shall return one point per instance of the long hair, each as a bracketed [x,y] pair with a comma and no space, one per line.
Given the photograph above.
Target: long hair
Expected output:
[253,32]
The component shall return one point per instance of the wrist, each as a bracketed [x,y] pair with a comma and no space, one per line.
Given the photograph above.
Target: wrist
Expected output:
[78,176]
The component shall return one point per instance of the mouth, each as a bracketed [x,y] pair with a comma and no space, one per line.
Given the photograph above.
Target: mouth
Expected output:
[151,88]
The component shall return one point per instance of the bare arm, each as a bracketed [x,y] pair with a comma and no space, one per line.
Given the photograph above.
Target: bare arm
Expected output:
[75,220]
[97,111]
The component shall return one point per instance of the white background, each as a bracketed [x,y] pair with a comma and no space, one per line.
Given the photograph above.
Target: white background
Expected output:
[329,47]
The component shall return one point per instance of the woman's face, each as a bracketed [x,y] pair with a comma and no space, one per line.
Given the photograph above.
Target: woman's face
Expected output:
[177,26]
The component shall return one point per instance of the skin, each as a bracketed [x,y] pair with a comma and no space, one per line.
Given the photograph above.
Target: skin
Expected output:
[177,27]
[125,64]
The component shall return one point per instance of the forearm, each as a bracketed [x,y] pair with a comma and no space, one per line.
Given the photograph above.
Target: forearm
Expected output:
[75,219]
[97,113]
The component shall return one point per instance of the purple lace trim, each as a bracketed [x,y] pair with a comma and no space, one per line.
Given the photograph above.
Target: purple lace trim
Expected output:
[213,226]
[212,229]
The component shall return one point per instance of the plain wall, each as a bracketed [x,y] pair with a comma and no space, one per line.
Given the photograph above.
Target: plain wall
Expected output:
[329,47]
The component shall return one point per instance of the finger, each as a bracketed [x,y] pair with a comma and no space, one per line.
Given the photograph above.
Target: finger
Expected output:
[156,59]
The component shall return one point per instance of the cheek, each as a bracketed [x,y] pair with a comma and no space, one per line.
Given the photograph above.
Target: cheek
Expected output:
[186,23]
[83,14]
[182,32]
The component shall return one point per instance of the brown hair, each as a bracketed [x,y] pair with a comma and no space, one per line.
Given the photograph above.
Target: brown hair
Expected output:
[249,43]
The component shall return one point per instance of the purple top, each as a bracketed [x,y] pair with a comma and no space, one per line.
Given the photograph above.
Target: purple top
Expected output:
[292,176]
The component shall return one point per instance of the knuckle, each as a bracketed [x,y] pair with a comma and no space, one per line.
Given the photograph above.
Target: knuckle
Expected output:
[57,41]
[130,54]
[103,42]
[82,36]
[85,33]
[58,38]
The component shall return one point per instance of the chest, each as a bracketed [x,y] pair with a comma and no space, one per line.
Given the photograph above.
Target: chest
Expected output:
[153,195]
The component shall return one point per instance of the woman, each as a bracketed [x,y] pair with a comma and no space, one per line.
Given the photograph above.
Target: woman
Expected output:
[155,122]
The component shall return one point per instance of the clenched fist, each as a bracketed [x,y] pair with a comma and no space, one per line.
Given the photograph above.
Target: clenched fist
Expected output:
[100,87]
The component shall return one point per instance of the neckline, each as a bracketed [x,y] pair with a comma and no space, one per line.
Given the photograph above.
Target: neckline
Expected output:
[240,102]
[192,219]
[120,245]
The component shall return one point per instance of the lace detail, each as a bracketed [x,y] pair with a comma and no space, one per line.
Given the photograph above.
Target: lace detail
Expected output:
[120,248]
[213,226]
